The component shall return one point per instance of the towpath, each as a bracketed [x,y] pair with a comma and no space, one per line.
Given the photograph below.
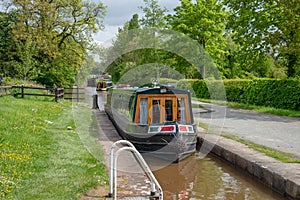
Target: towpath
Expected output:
[281,133]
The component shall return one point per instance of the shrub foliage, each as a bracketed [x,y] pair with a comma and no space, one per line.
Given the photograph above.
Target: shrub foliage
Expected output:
[283,94]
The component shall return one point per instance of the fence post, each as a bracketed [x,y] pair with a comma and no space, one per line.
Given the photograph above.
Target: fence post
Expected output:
[22,91]
[77,94]
[56,94]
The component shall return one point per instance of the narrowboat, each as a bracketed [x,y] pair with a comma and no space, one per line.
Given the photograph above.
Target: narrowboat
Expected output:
[158,120]
[104,84]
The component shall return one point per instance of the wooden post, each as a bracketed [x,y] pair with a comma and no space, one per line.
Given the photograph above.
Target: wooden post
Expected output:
[95,101]
[22,91]
[77,93]
[63,91]
[56,94]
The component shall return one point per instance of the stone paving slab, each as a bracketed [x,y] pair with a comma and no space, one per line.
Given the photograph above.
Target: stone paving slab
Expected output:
[281,177]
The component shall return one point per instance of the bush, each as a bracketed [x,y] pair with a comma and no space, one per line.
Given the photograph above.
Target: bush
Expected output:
[284,94]
[187,84]
[8,81]
[204,89]
[167,80]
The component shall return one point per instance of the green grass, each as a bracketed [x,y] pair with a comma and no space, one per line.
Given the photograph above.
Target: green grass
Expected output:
[39,157]
[275,111]
[278,155]
[203,125]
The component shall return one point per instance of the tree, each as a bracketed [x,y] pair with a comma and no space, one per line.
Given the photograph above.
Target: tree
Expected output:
[25,67]
[203,21]
[154,15]
[7,46]
[134,22]
[268,27]
[61,32]
[133,33]
[148,33]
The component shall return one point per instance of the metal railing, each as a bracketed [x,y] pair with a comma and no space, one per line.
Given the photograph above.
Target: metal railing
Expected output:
[127,146]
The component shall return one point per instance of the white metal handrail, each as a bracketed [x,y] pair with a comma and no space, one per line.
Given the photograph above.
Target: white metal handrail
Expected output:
[127,146]
[111,177]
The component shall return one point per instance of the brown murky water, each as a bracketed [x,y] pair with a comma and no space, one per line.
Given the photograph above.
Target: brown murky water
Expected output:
[209,179]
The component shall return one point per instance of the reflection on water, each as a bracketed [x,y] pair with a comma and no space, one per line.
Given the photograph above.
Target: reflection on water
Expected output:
[209,178]
[102,99]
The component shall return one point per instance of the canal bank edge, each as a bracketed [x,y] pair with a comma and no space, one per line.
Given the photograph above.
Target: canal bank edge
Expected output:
[283,178]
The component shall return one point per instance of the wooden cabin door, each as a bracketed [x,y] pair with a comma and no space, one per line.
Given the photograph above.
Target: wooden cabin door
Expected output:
[160,109]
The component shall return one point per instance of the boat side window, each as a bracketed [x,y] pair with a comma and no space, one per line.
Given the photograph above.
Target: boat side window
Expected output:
[155,111]
[168,110]
[143,118]
[181,114]
[122,103]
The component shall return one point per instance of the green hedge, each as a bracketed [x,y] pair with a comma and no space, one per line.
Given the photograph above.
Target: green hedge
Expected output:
[283,94]
[275,93]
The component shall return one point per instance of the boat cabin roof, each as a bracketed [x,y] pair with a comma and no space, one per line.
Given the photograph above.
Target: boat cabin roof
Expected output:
[155,90]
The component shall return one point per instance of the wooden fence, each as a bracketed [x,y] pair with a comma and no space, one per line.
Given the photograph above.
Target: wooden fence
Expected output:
[5,90]
[74,93]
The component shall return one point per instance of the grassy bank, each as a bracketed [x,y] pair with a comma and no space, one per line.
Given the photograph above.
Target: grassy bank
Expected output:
[41,154]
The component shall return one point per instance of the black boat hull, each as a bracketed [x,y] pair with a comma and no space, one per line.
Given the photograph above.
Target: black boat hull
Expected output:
[172,147]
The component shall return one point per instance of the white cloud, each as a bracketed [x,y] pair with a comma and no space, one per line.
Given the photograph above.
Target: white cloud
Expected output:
[120,11]
[107,34]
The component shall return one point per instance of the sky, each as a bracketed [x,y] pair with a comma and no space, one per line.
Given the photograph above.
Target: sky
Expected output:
[121,11]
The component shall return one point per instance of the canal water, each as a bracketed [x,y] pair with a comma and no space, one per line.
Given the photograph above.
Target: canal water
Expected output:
[208,178]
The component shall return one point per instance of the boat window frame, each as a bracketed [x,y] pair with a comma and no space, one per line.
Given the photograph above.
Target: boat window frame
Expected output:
[146,111]
[124,108]
[162,98]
